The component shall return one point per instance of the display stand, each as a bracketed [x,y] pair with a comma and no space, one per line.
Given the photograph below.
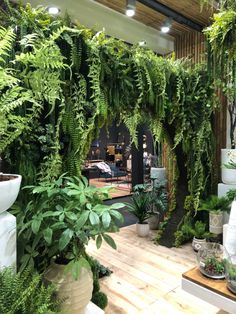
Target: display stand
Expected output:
[7,240]
[212,291]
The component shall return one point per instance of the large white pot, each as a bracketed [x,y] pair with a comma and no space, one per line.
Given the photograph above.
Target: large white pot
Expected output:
[216,222]
[75,293]
[142,229]
[9,190]
[228,176]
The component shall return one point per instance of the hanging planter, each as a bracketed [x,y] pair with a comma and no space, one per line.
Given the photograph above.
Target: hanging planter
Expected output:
[228,166]
[9,187]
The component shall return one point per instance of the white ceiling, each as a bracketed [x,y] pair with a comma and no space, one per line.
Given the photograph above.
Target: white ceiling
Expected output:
[94,15]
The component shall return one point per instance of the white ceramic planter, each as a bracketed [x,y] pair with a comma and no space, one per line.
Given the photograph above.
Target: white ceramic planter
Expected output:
[142,230]
[76,293]
[216,222]
[9,191]
[228,176]
[198,243]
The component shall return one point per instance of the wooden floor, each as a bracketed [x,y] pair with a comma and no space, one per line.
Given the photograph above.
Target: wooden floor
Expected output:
[120,189]
[147,278]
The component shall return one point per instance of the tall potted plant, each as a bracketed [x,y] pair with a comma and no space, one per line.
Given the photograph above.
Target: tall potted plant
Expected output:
[55,229]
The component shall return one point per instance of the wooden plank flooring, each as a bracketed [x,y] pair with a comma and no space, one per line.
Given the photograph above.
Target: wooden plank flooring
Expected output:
[147,278]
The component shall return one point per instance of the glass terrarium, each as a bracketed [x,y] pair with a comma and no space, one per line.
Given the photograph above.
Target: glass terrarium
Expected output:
[231,273]
[212,259]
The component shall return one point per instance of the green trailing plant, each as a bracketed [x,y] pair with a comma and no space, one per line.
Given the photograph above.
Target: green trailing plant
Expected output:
[221,37]
[61,83]
[60,220]
[18,290]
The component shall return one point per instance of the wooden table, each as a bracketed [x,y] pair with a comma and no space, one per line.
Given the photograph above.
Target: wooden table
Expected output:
[209,290]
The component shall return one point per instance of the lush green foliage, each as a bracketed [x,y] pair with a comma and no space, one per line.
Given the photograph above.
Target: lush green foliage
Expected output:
[221,36]
[140,203]
[24,293]
[100,299]
[231,194]
[61,83]
[61,218]
[215,204]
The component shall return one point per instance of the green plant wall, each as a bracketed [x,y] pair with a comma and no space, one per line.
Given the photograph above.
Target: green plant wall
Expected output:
[60,83]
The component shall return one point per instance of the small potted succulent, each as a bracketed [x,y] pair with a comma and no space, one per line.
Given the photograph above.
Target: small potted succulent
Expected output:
[200,235]
[212,260]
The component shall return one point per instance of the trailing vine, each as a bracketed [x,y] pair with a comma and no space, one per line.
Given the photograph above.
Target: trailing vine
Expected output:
[60,83]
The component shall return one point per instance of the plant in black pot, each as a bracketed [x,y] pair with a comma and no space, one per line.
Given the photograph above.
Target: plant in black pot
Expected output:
[139,207]
[55,228]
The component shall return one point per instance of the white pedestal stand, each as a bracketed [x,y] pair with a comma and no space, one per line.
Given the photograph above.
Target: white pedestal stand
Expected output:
[7,240]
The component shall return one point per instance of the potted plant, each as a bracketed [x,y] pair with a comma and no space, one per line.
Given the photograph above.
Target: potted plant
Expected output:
[55,229]
[139,207]
[199,235]
[212,260]
[215,206]
[158,203]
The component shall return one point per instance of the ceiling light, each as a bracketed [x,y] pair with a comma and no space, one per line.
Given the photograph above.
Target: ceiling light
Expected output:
[130,7]
[53,10]
[165,28]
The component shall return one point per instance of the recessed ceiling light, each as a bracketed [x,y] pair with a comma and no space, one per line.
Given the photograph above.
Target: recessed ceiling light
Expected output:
[165,29]
[130,12]
[130,7]
[53,10]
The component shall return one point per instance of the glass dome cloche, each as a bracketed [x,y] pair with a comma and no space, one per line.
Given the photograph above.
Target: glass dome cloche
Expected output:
[231,273]
[212,259]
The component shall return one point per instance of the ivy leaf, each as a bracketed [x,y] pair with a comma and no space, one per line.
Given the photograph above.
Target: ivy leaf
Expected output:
[65,238]
[109,241]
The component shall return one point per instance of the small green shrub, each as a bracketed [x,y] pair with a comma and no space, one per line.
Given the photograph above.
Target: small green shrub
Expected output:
[100,299]
[24,293]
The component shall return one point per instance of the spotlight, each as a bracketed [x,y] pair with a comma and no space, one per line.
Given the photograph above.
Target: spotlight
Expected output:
[53,10]
[130,7]
[165,28]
